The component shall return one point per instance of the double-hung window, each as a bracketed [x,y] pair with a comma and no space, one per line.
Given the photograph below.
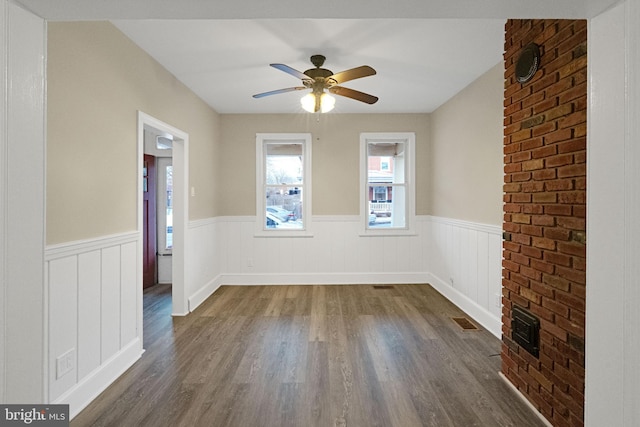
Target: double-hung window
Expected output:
[387,176]
[283,184]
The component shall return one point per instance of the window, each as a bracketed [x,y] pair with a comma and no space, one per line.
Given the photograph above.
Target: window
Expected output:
[165,204]
[387,179]
[283,184]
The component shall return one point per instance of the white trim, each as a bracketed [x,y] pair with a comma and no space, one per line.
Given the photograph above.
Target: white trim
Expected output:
[631,386]
[487,228]
[336,218]
[301,279]
[607,372]
[408,138]
[525,400]
[322,278]
[82,246]
[305,139]
[205,222]
[466,304]
[203,293]
[613,152]
[80,395]
[24,362]
[4,158]
[631,320]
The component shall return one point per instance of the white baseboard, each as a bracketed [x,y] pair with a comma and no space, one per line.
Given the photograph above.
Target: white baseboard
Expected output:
[79,396]
[478,313]
[525,400]
[321,278]
[302,279]
[203,293]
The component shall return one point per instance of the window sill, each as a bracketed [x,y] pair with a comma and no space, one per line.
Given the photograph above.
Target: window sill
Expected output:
[283,233]
[387,232]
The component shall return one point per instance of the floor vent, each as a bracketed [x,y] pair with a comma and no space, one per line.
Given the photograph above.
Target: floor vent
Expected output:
[382,287]
[464,323]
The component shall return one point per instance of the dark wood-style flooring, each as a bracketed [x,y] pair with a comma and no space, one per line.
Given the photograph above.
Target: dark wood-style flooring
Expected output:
[272,356]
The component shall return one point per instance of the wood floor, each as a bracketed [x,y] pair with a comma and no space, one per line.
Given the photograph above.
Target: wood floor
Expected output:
[311,356]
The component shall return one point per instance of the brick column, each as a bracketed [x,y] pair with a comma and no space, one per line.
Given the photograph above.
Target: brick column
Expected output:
[544,213]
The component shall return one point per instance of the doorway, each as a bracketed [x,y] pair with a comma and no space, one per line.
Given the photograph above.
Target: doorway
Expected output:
[178,205]
[157,216]
[149,224]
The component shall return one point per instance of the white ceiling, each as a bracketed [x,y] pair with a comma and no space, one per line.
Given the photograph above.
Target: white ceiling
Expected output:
[424,51]
[419,63]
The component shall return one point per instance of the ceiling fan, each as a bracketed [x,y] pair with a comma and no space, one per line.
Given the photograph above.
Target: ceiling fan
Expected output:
[320,79]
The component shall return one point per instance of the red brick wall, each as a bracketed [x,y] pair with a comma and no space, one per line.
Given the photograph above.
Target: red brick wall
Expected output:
[544,212]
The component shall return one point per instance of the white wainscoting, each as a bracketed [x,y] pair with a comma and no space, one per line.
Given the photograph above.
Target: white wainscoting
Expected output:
[203,254]
[465,265]
[225,250]
[95,287]
[94,297]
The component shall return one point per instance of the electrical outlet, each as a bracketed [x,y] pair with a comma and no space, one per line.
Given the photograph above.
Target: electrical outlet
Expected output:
[65,362]
[498,300]
[249,262]
[451,280]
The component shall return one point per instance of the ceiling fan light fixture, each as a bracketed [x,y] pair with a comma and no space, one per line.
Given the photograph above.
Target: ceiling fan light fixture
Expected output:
[327,102]
[308,102]
[320,80]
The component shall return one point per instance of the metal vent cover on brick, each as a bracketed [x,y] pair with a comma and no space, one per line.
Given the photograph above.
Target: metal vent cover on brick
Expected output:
[465,323]
[525,330]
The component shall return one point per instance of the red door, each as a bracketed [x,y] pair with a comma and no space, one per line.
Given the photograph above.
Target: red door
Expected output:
[149,249]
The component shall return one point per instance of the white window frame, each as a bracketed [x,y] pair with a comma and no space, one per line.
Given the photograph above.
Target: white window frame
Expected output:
[287,138]
[407,138]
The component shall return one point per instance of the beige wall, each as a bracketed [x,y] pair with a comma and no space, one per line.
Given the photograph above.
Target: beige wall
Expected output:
[97,81]
[466,152]
[335,153]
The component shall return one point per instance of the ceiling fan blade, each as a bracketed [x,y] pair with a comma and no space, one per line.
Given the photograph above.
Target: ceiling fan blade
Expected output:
[292,71]
[352,74]
[275,92]
[354,94]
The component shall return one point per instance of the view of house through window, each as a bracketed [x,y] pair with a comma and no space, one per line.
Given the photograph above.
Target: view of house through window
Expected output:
[284,185]
[386,183]
[385,177]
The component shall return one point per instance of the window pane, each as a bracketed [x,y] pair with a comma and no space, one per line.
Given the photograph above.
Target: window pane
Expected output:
[284,175]
[389,212]
[385,162]
[283,164]
[387,176]
[283,207]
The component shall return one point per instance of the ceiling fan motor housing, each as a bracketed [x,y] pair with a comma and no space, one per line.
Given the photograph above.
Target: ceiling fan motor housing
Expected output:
[317,60]
[320,79]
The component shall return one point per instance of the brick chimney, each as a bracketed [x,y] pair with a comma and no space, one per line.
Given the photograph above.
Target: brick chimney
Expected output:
[545,126]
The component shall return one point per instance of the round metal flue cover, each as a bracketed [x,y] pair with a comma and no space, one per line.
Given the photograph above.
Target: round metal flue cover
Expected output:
[528,63]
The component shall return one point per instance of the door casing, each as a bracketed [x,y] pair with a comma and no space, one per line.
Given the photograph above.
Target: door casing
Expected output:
[179,302]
